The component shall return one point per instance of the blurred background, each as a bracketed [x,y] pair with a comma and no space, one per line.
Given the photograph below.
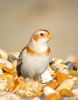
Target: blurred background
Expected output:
[20,18]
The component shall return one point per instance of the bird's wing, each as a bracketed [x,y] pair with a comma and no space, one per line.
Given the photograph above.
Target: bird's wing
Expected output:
[51,62]
[19,63]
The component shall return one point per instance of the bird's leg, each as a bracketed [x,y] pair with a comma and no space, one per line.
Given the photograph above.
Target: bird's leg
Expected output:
[37,78]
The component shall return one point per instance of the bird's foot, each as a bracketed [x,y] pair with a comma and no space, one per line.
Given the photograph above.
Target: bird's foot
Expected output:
[38,79]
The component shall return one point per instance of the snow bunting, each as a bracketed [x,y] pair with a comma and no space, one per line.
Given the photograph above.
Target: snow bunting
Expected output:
[35,57]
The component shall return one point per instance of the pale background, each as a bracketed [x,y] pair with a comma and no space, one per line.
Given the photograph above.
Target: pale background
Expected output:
[20,18]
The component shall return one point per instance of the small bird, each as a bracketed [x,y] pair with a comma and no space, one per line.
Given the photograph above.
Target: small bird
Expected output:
[35,56]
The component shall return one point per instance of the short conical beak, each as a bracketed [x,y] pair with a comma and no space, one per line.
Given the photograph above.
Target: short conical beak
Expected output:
[49,36]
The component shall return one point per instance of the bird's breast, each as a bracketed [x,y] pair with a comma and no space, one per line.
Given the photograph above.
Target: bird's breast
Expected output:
[35,58]
[34,64]
[32,52]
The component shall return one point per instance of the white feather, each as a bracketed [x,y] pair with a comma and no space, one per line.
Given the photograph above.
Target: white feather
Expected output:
[33,65]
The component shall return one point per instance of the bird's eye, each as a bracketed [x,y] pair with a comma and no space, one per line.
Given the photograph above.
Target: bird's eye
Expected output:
[41,34]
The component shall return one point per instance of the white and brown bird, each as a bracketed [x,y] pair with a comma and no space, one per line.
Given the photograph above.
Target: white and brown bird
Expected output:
[35,57]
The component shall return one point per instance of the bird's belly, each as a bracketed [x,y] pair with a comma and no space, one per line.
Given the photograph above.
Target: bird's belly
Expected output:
[34,65]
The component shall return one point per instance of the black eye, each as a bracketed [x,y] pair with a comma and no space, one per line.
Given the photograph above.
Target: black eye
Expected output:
[41,34]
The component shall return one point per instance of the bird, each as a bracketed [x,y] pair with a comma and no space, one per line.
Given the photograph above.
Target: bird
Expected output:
[35,56]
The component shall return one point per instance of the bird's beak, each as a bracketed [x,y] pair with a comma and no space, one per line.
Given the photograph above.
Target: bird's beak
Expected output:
[49,36]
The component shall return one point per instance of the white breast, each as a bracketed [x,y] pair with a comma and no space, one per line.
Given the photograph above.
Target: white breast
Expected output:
[33,65]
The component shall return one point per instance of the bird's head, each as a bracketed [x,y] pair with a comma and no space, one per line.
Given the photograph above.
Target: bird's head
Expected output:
[42,36]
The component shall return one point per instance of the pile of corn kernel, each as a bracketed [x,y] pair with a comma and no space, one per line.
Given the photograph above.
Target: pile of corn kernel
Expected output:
[58,82]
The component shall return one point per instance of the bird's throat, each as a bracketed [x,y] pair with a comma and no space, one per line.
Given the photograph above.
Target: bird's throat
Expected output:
[37,47]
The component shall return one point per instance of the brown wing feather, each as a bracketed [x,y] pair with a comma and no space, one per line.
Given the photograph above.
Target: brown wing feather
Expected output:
[19,63]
